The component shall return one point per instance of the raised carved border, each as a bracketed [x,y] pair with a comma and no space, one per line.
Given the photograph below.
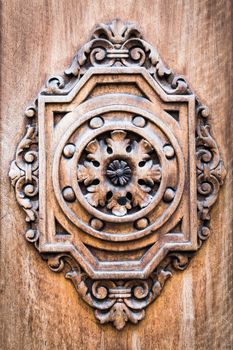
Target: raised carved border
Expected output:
[117,301]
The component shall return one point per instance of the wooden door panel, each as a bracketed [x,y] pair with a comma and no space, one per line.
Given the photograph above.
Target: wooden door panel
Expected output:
[40,309]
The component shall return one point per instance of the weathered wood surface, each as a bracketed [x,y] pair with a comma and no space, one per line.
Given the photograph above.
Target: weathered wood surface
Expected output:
[40,309]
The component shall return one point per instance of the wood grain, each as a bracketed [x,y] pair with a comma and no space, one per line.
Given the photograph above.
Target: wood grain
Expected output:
[40,310]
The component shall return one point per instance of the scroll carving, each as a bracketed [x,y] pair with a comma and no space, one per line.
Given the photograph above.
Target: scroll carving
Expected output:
[128,169]
[117,44]
[24,177]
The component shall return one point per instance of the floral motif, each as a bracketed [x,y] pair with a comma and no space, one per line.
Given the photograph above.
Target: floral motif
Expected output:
[119,172]
[119,301]
[129,177]
[117,44]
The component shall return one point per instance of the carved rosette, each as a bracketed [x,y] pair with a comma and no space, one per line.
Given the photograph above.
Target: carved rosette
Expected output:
[120,174]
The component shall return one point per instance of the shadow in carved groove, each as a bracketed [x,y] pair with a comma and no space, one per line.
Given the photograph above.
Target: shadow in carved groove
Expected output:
[111,184]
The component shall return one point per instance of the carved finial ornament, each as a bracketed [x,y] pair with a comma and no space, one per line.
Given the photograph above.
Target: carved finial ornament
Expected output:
[119,164]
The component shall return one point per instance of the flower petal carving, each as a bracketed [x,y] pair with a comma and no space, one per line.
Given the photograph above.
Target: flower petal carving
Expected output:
[150,173]
[96,150]
[118,142]
[116,32]
[141,196]
[87,173]
[142,149]
[119,204]
[96,195]
[119,314]
[118,172]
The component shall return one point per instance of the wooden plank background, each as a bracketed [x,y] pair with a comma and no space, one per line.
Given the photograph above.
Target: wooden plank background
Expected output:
[40,309]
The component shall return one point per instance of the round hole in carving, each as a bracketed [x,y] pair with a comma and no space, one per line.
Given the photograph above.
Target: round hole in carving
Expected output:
[122,200]
[129,196]
[109,195]
[109,150]
[96,164]
[141,182]
[129,171]
[95,182]
[142,163]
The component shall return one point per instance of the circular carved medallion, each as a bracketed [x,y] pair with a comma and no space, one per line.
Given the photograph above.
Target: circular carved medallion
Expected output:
[119,173]
[129,172]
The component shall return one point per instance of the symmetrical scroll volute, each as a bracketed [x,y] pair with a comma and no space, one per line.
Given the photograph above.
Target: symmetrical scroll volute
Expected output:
[126,175]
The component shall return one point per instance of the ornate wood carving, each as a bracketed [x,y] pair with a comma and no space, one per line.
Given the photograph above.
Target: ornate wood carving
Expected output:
[117,173]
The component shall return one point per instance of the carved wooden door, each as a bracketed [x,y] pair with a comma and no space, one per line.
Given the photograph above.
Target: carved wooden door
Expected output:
[118,173]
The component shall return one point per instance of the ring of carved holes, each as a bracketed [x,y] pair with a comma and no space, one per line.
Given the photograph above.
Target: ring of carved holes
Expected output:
[120,172]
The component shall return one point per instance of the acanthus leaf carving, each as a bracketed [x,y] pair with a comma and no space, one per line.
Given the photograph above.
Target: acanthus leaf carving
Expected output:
[119,301]
[129,176]
[128,162]
[117,44]
[24,174]
[210,171]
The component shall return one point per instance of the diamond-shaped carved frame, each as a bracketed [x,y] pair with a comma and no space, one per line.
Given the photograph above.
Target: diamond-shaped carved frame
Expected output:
[117,173]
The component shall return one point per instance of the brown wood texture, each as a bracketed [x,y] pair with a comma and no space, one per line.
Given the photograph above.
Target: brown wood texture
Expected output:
[40,310]
[127,173]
